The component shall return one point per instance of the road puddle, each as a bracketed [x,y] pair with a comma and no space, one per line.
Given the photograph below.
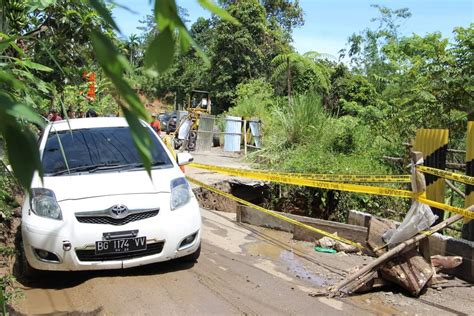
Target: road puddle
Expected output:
[297,268]
[286,260]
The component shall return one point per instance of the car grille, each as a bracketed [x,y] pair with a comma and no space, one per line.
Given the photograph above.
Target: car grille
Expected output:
[90,255]
[116,221]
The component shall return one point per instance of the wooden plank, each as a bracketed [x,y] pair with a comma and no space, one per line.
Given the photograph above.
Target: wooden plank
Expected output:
[377,228]
[409,270]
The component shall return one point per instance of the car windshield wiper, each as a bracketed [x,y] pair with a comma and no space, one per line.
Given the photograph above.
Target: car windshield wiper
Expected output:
[90,168]
[141,165]
[105,166]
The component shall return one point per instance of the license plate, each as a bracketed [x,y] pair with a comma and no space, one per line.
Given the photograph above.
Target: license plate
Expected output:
[120,245]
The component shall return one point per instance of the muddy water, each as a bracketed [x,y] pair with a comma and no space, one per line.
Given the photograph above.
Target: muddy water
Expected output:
[294,264]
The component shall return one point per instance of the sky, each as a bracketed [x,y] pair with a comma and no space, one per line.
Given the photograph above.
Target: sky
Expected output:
[328,23]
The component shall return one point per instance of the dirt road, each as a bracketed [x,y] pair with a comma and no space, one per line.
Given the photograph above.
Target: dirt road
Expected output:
[230,278]
[242,270]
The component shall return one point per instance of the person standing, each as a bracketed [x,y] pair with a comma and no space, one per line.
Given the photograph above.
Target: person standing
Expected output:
[53,116]
[155,124]
[91,113]
[70,113]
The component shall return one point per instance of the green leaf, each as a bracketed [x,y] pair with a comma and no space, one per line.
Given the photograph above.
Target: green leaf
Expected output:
[22,152]
[214,8]
[141,138]
[11,81]
[18,111]
[3,46]
[113,65]
[35,66]
[11,41]
[39,4]
[160,53]
[165,13]
[104,13]
[21,144]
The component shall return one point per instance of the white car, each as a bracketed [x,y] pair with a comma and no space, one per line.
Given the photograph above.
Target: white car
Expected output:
[102,210]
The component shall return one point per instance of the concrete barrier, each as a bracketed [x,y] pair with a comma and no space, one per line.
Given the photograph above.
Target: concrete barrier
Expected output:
[251,216]
[351,232]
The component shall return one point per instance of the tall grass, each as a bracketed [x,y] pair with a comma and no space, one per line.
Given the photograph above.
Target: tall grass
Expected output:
[305,117]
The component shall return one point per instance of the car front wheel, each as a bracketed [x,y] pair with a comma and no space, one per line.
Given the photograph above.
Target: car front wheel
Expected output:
[27,271]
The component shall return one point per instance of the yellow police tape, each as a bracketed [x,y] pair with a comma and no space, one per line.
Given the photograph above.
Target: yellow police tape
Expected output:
[319,177]
[287,179]
[356,188]
[274,214]
[447,174]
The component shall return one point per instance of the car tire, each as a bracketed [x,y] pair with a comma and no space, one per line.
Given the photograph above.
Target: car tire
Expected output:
[26,270]
[191,145]
[177,143]
[192,257]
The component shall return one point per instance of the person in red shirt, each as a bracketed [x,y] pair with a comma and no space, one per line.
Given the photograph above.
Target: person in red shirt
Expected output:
[155,124]
[53,116]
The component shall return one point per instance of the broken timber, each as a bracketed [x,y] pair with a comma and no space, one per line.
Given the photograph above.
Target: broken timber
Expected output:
[394,251]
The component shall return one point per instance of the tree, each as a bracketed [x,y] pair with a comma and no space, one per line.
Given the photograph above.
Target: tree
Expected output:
[285,14]
[240,52]
[281,14]
[61,41]
[365,49]
[132,46]
[22,150]
[308,66]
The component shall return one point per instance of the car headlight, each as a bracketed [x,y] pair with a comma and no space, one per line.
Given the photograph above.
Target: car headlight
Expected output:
[180,193]
[43,203]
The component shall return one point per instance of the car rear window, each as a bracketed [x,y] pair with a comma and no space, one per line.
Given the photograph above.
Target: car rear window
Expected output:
[96,146]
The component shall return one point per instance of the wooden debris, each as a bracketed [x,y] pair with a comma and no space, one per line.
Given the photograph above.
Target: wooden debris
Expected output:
[377,228]
[409,270]
[377,263]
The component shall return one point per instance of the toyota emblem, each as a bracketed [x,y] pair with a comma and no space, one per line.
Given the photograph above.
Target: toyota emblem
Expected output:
[119,210]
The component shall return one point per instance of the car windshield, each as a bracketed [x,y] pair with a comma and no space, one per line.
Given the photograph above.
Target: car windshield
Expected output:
[164,117]
[97,149]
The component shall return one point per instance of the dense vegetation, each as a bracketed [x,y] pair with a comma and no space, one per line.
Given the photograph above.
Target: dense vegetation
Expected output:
[320,113]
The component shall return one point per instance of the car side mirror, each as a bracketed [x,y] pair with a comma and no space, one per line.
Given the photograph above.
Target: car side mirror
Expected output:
[184,158]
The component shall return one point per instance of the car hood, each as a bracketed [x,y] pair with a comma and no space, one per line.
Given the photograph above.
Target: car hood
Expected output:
[83,186]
